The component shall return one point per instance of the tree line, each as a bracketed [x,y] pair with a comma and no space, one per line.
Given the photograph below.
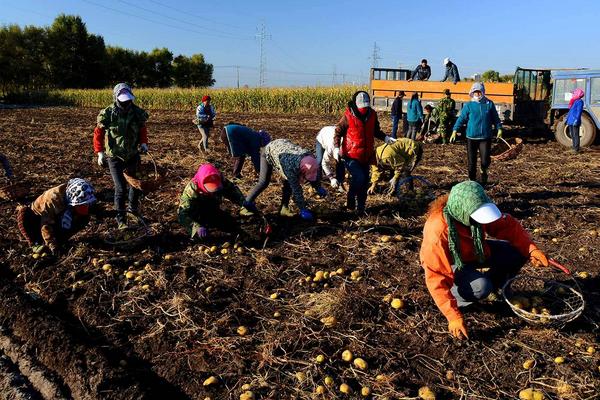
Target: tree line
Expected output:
[65,55]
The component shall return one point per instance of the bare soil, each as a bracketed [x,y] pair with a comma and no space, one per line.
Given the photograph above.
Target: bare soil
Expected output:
[72,330]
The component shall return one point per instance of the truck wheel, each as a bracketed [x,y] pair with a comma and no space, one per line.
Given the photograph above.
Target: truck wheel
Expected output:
[587,132]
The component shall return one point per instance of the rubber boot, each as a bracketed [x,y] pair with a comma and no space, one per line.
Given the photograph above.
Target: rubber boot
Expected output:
[121,219]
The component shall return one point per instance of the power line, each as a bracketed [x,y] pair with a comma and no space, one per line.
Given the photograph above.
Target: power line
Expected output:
[375,57]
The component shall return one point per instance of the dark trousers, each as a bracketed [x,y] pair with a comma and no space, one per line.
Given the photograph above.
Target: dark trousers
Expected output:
[220,219]
[413,129]
[395,120]
[117,167]
[339,167]
[359,179]
[574,132]
[264,178]
[6,165]
[483,147]
[238,163]
[471,285]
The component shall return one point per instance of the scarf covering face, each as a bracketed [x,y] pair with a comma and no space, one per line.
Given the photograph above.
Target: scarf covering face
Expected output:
[464,199]
[577,94]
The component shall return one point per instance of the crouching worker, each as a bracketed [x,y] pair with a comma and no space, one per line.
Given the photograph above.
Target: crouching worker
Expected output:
[56,215]
[334,170]
[296,166]
[399,158]
[456,245]
[242,141]
[200,203]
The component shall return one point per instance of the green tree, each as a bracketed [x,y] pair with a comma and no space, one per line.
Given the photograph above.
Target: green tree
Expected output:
[161,68]
[490,76]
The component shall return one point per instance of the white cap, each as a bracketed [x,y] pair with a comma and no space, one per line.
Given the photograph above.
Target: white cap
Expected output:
[446,60]
[125,95]
[486,214]
[362,100]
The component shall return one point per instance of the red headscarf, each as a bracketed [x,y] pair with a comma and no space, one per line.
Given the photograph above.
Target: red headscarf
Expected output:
[208,178]
[577,94]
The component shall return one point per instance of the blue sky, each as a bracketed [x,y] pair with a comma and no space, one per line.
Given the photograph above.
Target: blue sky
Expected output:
[311,39]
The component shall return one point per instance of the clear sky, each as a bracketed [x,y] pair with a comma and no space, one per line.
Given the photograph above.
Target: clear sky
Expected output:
[323,41]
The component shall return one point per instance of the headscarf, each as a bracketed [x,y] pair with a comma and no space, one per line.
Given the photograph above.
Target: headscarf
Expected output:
[477,86]
[208,178]
[309,168]
[577,94]
[464,199]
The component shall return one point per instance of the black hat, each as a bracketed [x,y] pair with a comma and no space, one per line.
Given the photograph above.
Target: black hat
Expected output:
[447,91]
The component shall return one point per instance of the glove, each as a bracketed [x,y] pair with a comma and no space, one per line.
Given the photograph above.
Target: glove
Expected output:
[372,188]
[537,258]
[453,137]
[202,232]
[392,187]
[336,153]
[144,148]
[38,249]
[389,140]
[306,214]
[499,135]
[248,209]
[321,192]
[101,159]
[334,183]
[458,329]
[286,212]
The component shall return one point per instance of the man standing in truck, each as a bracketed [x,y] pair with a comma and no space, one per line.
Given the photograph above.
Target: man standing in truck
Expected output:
[422,72]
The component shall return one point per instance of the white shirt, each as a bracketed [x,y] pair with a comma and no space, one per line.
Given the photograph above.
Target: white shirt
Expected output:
[325,138]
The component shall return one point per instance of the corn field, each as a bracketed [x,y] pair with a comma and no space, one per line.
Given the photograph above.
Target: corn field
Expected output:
[319,100]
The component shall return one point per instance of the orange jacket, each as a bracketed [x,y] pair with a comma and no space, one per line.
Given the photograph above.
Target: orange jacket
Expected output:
[436,258]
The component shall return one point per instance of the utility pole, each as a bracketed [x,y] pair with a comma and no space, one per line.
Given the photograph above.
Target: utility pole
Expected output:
[262,36]
[375,57]
[333,75]
[238,75]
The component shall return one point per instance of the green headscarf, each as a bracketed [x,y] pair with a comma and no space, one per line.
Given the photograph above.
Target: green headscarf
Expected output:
[464,199]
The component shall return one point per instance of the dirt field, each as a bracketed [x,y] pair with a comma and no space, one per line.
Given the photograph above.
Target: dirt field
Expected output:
[71,330]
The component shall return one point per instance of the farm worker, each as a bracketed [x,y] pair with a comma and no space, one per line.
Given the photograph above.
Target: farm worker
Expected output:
[446,108]
[480,115]
[430,122]
[358,128]
[242,141]
[400,158]
[200,203]
[451,71]
[296,166]
[119,137]
[397,112]
[422,72]
[334,171]
[205,114]
[414,116]
[56,215]
[574,117]
[455,245]
[6,165]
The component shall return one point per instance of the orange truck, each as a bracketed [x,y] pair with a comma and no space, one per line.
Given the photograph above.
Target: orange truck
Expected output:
[523,102]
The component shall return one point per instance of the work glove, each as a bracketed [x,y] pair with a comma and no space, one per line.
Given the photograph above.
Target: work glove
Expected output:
[392,187]
[101,159]
[389,140]
[321,192]
[457,328]
[144,148]
[248,209]
[453,137]
[537,258]
[286,212]
[336,153]
[372,188]
[202,232]
[499,135]
[306,214]
[334,183]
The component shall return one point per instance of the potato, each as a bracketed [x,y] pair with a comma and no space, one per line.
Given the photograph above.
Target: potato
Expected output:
[426,394]
[242,330]
[345,389]
[211,381]
[360,363]
[347,355]
[397,304]
[528,364]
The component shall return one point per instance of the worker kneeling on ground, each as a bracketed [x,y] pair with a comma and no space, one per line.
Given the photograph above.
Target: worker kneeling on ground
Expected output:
[400,158]
[296,166]
[56,215]
[455,246]
[325,147]
[242,141]
[200,203]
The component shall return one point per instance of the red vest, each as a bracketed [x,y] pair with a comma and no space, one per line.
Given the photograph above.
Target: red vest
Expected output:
[359,140]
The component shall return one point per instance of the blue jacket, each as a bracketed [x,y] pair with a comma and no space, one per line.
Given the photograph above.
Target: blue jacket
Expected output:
[479,117]
[414,111]
[243,141]
[451,73]
[574,115]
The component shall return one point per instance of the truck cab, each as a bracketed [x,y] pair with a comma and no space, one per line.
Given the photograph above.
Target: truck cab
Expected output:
[564,84]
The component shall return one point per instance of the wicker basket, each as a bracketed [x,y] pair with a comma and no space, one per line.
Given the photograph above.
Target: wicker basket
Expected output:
[507,150]
[14,191]
[156,176]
